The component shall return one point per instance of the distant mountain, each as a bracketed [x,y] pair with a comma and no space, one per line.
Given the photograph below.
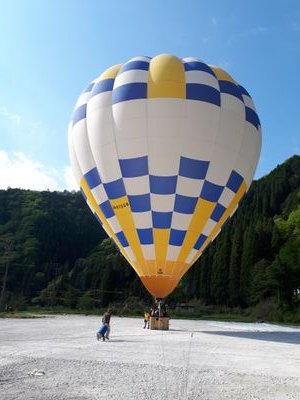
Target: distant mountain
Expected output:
[53,252]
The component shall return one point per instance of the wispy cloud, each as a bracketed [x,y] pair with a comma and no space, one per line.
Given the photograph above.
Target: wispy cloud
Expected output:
[214,21]
[223,64]
[255,31]
[296,26]
[205,40]
[18,171]
[18,123]
[70,183]
[11,116]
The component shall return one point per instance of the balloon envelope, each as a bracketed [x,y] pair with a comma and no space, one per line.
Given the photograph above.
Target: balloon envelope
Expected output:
[164,149]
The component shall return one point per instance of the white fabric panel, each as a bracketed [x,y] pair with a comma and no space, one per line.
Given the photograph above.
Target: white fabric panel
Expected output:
[197,148]
[188,186]
[148,251]
[99,194]
[135,186]
[82,146]
[100,129]
[162,202]
[202,121]
[166,108]
[131,76]
[231,132]
[181,221]
[166,124]
[108,163]
[226,197]
[82,99]
[243,167]
[132,148]
[130,123]
[126,110]
[232,103]
[130,128]
[257,138]
[73,159]
[222,162]
[114,224]
[248,102]
[100,100]
[248,147]
[173,252]
[143,220]
[191,256]
[202,77]
[164,156]
[102,139]
[130,254]
[249,153]
[163,128]
[208,227]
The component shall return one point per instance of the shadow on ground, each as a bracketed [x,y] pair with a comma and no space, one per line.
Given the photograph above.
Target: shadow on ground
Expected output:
[283,337]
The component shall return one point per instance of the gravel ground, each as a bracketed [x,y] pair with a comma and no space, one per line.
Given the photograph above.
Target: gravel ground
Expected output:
[193,360]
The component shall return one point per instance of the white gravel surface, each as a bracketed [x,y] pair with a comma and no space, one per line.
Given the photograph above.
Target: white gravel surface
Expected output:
[193,360]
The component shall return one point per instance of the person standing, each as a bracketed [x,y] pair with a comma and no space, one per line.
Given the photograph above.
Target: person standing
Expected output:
[146,319]
[106,321]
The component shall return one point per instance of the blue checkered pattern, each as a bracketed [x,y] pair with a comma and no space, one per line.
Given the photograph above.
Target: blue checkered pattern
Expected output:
[194,90]
[79,112]
[177,237]
[251,115]
[234,183]
[185,204]
[131,83]
[188,169]
[230,88]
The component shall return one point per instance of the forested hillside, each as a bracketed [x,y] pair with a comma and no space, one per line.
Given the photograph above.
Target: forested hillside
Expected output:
[53,252]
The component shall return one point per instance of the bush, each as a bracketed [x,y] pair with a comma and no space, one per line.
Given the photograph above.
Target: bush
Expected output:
[133,306]
[268,310]
[86,302]
[72,297]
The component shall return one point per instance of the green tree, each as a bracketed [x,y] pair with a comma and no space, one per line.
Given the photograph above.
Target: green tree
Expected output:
[234,266]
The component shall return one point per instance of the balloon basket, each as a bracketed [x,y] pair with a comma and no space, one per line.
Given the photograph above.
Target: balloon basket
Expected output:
[159,323]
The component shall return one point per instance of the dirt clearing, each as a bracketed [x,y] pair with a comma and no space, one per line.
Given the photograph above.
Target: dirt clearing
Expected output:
[60,358]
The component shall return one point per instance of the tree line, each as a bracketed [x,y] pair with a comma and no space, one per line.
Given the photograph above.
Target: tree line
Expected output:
[53,252]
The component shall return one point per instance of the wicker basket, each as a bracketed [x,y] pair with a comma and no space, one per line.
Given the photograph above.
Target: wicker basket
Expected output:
[159,323]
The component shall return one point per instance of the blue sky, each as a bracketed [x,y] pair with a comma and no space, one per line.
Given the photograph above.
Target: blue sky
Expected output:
[50,50]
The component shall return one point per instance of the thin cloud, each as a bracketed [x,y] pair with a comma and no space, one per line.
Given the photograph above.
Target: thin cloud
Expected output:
[296,26]
[223,64]
[205,40]
[18,171]
[214,21]
[69,179]
[258,30]
[11,116]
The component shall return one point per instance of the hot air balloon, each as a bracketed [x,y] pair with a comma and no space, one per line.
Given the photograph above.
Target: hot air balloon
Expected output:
[164,149]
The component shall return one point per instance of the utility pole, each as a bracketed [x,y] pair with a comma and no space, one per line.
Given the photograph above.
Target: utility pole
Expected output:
[8,247]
